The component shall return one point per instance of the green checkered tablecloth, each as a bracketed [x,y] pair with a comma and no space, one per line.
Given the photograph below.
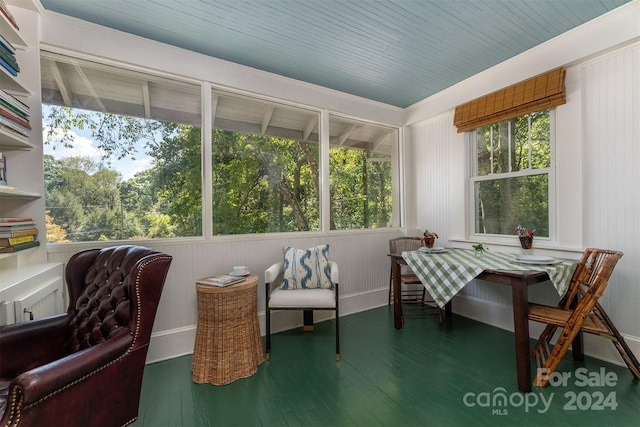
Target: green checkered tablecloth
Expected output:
[445,274]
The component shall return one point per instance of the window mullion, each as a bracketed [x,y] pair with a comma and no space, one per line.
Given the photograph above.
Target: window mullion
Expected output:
[325,201]
[509,144]
[491,150]
[206,161]
[529,140]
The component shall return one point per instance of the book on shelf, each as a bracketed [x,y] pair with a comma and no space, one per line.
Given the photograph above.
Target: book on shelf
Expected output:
[8,67]
[3,169]
[15,219]
[11,59]
[7,228]
[6,45]
[12,241]
[11,116]
[15,126]
[14,134]
[14,102]
[4,10]
[20,247]
[12,108]
[221,281]
[33,231]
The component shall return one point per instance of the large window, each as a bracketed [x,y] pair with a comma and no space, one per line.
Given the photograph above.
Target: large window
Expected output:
[122,153]
[124,149]
[265,160]
[512,175]
[266,169]
[361,171]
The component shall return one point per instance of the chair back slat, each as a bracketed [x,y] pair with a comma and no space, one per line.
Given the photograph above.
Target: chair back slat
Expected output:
[591,276]
[401,244]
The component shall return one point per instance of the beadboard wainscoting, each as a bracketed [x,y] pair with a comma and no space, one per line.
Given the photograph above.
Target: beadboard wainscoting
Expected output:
[361,256]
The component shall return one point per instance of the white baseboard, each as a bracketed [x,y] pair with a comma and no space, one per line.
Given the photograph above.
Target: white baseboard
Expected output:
[501,316]
[170,344]
[179,342]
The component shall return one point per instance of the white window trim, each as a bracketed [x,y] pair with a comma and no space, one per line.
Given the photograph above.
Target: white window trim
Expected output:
[511,240]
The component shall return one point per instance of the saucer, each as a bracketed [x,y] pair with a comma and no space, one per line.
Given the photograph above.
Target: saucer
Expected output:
[246,273]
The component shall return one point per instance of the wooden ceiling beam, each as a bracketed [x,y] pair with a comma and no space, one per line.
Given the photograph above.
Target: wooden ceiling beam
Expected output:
[89,87]
[309,127]
[146,99]
[346,133]
[63,88]
[214,108]
[378,142]
[266,118]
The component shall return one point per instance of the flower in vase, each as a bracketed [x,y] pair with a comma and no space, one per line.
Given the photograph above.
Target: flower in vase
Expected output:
[523,232]
[429,238]
[428,234]
[525,236]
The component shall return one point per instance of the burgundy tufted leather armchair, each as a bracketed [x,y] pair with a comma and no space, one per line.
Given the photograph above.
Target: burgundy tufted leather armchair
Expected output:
[84,368]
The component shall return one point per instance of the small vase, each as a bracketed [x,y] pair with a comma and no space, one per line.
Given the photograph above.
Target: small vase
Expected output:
[428,242]
[526,242]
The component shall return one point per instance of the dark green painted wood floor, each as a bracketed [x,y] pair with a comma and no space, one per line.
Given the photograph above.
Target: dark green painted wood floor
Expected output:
[458,374]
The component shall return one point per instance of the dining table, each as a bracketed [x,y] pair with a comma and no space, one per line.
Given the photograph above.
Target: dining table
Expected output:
[446,271]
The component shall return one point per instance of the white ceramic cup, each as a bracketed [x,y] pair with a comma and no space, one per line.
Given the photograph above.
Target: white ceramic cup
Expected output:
[239,269]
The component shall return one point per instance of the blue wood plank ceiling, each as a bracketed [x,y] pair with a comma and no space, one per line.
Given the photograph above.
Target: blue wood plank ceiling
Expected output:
[393,51]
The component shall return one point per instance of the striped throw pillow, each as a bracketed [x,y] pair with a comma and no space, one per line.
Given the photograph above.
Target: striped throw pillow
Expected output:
[306,269]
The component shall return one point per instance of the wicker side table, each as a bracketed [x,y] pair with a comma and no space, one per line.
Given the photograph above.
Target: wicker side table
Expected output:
[228,345]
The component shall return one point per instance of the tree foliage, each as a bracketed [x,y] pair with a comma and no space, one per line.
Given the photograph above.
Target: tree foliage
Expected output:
[259,183]
[519,148]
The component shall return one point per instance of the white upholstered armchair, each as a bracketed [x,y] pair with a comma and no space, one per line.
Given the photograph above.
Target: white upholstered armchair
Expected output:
[285,293]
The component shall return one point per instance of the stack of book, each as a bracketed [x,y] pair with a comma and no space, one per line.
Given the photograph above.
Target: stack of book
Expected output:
[14,117]
[7,50]
[221,281]
[8,57]
[17,234]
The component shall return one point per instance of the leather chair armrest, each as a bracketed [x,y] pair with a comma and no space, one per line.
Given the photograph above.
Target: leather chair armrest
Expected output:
[50,378]
[30,344]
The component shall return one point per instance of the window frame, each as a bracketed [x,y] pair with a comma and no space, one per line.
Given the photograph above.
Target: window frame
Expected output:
[473,178]
[206,126]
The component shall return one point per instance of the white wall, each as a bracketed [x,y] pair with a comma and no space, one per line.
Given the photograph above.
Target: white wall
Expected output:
[597,152]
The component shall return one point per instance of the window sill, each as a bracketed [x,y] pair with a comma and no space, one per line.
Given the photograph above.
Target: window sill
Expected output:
[544,246]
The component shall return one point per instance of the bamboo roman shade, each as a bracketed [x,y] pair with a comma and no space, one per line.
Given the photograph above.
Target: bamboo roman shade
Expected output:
[538,93]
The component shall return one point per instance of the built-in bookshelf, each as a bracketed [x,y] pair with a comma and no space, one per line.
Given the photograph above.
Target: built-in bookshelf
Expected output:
[29,285]
[15,130]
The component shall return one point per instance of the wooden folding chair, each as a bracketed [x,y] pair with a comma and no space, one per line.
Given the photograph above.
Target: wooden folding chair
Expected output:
[579,311]
[414,295]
